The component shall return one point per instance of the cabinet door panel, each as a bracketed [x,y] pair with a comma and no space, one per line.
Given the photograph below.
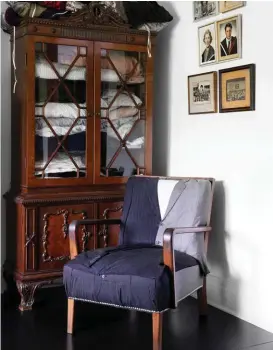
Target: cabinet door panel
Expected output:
[122,87]
[108,235]
[61,112]
[53,229]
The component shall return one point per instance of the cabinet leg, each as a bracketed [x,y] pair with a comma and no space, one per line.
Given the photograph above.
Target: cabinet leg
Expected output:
[26,291]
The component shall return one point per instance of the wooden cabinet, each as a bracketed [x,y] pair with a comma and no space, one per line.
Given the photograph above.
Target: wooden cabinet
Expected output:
[82,125]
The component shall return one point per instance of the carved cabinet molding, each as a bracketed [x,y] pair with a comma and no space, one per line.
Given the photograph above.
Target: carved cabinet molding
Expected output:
[46,257]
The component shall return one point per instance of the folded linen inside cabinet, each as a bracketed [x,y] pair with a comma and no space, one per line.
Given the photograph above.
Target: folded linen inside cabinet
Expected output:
[111,76]
[61,163]
[123,99]
[122,126]
[44,70]
[122,111]
[122,62]
[61,126]
[61,110]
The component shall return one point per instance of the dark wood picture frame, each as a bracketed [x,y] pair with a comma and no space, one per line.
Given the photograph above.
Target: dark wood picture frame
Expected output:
[252,81]
[215,95]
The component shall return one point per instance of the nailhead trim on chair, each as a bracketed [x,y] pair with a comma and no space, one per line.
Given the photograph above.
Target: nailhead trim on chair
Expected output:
[118,306]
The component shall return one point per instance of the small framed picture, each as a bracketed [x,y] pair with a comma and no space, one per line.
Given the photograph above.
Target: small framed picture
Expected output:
[237,89]
[225,6]
[204,9]
[229,38]
[202,93]
[207,44]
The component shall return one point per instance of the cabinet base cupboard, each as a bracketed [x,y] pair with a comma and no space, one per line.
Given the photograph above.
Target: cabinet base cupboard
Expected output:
[81,125]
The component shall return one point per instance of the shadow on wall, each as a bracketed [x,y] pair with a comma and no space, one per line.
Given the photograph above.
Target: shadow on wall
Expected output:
[223,288]
[5,135]
[162,95]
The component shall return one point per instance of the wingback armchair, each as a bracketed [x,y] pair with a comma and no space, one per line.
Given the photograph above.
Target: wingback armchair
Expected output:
[161,256]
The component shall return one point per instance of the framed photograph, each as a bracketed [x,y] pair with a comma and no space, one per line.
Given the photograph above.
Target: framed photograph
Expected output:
[202,93]
[204,9]
[207,44]
[237,89]
[229,40]
[225,6]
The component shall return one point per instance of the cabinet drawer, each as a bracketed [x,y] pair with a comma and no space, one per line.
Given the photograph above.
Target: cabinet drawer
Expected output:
[108,235]
[53,234]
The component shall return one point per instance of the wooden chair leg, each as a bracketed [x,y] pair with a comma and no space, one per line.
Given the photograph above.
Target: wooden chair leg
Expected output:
[202,299]
[70,315]
[157,330]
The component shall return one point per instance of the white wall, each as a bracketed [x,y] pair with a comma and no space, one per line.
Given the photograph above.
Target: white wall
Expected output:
[5,143]
[234,148]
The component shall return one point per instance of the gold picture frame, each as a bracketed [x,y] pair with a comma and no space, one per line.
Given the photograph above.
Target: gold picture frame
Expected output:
[226,6]
[229,38]
[237,89]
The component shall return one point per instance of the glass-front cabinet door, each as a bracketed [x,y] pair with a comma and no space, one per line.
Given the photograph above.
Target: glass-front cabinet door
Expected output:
[121,112]
[63,105]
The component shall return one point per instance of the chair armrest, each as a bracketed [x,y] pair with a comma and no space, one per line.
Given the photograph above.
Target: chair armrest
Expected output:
[168,253]
[73,226]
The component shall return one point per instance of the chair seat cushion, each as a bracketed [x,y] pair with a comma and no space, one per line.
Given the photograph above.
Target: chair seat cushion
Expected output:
[127,276]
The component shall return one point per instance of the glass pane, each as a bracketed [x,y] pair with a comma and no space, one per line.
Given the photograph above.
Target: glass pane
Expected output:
[123,97]
[136,143]
[54,91]
[62,157]
[124,164]
[60,111]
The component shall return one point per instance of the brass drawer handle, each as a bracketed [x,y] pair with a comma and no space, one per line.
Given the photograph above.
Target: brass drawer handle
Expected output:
[54,30]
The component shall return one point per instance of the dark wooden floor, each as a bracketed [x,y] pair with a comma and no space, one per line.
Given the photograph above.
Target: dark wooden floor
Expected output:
[98,327]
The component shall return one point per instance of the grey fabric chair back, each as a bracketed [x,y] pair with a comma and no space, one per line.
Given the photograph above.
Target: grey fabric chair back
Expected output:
[153,204]
[189,206]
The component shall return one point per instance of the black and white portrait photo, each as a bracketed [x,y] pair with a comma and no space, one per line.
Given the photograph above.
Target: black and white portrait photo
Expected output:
[203,9]
[229,38]
[236,89]
[207,44]
[202,93]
